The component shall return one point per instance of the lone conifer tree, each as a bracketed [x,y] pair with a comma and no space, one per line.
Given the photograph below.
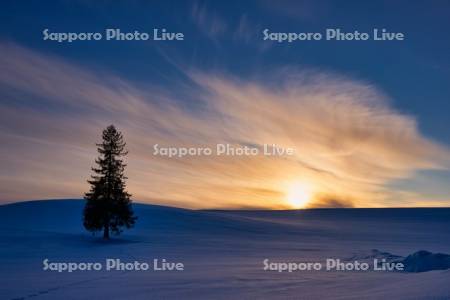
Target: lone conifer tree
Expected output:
[108,205]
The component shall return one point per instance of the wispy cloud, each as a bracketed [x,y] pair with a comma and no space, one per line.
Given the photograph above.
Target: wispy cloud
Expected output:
[208,21]
[349,142]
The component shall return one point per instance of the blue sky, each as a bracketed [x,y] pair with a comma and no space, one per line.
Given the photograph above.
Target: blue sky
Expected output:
[226,38]
[414,72]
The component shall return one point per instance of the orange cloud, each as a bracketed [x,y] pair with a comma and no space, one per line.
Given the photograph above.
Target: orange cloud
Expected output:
[348,141]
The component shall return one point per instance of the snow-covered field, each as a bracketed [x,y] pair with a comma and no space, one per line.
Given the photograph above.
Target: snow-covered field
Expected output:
[222,253]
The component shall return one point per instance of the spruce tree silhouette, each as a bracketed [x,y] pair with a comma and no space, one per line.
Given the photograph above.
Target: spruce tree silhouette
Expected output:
[108,205]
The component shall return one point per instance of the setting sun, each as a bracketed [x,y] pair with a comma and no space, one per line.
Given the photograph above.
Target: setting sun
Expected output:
[298,195]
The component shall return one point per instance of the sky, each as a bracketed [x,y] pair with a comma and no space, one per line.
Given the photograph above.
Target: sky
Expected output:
[368,120]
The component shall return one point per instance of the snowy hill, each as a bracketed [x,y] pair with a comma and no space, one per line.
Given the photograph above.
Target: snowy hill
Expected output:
[222,253]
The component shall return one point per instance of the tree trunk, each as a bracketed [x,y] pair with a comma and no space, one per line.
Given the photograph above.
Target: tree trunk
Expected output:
[106,232]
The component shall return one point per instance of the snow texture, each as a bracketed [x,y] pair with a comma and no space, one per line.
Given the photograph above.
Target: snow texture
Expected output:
[223,253]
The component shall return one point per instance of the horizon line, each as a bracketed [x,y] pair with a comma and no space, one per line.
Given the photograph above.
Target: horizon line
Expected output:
[236,209]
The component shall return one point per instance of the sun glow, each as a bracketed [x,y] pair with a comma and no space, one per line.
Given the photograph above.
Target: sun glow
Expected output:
[298,195]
